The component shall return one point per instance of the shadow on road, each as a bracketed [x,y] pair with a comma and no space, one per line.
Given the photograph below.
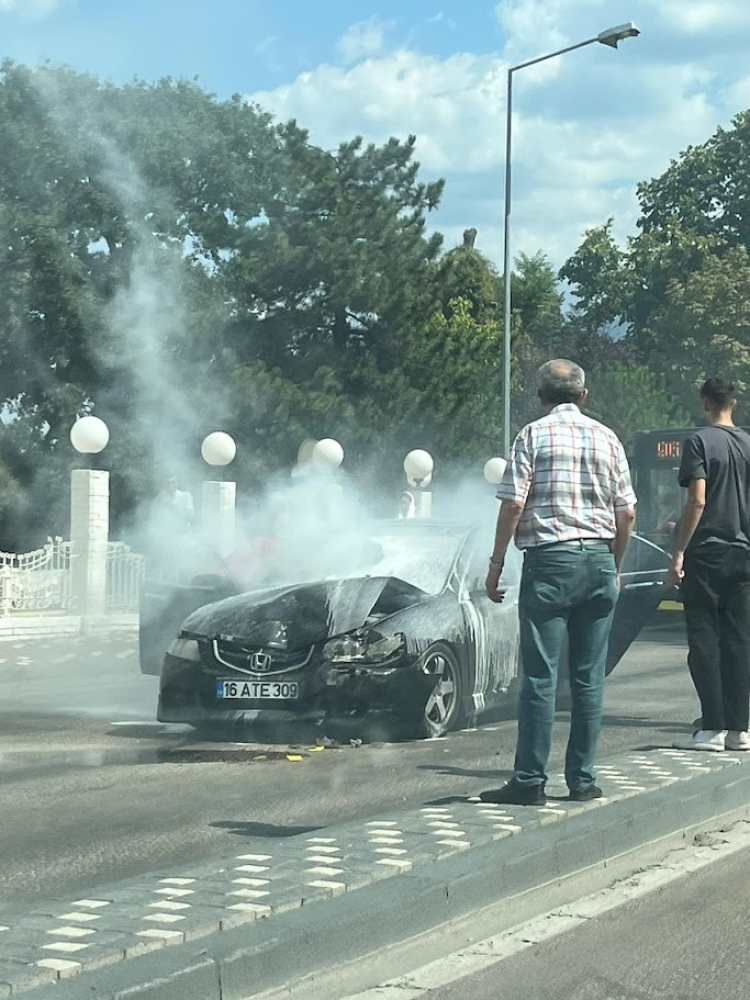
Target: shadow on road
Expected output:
[242,829]
[462,772]
[640,722]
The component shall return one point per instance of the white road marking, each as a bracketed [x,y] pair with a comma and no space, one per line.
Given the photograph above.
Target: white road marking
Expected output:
[64,946]
[71,932]
[485,954]
[162,934]
[164,918]
[59,965]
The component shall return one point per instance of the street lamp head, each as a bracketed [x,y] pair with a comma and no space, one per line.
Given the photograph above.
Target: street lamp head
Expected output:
[494,470]
[218,449]
[89,435]
[418,465]
[613,36]
[327,454]
[305,453]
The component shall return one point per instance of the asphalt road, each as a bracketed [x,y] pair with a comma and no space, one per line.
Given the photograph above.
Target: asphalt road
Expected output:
[688,940]
[92,790]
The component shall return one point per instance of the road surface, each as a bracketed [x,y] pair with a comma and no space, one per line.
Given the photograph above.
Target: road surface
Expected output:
[686,941]
[92,790]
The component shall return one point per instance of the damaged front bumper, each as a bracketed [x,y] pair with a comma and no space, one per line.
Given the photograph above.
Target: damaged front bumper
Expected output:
[188,691]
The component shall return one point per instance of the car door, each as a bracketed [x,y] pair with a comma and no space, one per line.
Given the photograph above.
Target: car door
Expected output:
[494,627]
[643,588]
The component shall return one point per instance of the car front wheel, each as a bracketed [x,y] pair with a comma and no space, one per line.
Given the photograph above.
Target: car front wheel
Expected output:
[443,710]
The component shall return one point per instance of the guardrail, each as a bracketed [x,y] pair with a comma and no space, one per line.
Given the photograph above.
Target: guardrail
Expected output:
[41,580]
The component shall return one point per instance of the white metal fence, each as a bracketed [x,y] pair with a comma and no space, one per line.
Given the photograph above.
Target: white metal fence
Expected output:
[40,581]
[126,571]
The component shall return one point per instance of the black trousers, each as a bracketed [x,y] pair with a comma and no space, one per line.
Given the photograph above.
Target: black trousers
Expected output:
[716,595]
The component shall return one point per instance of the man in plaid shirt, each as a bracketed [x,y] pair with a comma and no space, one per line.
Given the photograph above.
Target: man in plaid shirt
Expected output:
[568,501]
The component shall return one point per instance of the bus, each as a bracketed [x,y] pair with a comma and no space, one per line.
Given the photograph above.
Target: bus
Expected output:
[655,465]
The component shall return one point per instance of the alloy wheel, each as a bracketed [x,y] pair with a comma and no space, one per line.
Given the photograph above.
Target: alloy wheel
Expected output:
[441,708]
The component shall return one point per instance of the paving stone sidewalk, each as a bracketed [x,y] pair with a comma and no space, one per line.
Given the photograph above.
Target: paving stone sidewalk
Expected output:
[67,938]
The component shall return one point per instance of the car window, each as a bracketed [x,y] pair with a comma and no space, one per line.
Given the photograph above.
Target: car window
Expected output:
[644,557]
[422,559]
[478,563]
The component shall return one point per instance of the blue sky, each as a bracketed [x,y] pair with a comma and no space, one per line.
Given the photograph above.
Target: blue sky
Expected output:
[588,128]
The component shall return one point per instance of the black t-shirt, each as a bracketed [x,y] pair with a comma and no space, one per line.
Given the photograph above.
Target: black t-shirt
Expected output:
[721,456]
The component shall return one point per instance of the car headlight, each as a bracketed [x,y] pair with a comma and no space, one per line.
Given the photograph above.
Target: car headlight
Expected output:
[185,649]
[371,647]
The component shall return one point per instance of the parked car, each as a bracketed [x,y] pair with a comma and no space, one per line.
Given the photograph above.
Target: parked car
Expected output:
[407,629]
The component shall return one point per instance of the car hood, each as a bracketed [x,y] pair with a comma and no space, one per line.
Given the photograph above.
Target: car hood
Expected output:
[309,613]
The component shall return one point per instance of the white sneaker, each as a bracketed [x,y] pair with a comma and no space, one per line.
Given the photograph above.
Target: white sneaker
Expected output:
[737,741]
[712,740]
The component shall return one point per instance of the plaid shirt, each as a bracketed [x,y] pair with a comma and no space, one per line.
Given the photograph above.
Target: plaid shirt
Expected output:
[570,472]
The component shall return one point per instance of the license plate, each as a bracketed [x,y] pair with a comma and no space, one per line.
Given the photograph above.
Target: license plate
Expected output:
[258,690]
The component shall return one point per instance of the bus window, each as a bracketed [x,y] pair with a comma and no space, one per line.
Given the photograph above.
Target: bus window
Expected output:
[667,501]
[655,466]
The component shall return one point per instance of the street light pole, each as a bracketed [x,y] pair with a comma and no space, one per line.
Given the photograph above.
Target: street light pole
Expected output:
[611,37]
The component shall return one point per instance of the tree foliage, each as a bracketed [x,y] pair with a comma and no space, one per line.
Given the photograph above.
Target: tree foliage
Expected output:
[177,263]
[678,292]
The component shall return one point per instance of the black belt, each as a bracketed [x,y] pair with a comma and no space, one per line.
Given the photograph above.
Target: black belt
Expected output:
[578,543]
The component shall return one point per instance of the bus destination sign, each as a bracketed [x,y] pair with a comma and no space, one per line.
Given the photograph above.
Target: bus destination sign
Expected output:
[668,449]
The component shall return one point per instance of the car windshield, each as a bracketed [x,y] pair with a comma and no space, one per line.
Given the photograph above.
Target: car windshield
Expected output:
[421,558]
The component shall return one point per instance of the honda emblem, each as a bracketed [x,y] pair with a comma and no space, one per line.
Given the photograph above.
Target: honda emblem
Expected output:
[262,662]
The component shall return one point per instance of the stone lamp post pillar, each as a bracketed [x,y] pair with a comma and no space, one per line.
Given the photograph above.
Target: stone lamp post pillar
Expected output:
[419,466]
[218,510]
[89,522]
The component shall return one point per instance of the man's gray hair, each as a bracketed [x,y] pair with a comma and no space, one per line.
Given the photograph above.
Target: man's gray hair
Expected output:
[561,381]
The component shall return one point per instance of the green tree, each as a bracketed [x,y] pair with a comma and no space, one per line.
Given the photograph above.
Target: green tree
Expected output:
[703,327]
[538,331]
[631,398]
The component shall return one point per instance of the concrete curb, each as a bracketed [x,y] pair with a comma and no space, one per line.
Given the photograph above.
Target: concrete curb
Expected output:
[244,961]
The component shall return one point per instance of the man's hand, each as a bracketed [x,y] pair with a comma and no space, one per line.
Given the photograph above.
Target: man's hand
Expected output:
[676,573]
[492,584]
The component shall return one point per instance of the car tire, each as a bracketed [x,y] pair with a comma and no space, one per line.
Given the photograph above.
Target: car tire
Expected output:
[444,709]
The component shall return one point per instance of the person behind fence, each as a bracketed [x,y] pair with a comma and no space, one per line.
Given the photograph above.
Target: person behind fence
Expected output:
[406,506]
[170,529]
[711,564]
[568,501]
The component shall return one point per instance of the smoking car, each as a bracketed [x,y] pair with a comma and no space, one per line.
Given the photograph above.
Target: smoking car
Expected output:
[404,628]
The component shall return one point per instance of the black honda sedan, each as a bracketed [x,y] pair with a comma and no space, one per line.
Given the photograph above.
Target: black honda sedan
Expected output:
[406,630]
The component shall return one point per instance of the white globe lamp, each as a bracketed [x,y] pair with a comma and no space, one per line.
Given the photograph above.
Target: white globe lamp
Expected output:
[418,466]
[327,454]
[89,435]
[305,453]
[494,470]
[219,449]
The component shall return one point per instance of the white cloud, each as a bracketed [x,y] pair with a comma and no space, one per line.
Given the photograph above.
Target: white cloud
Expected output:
[587,127]
[698,16]
[31,8]
[363,40]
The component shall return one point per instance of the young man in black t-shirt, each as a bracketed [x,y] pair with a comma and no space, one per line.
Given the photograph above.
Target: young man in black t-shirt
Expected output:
[711,564]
